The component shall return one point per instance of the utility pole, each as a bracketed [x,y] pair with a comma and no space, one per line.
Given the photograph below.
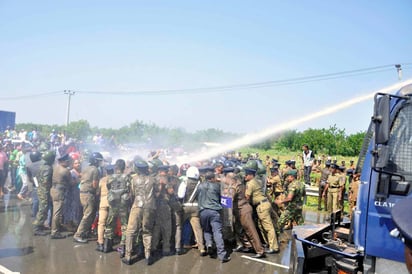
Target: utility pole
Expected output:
[70,94]
[399,70]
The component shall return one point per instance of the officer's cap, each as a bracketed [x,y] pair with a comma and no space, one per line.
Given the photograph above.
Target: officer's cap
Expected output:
[205,169]
[64,158]
[273,169]
[109,167]
[228,169]
[335,166]
[292,172]
[163,168]
[401,216]
[288,162]
[249,171]
[218,163]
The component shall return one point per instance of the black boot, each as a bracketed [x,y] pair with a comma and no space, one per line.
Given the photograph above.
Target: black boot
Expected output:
[122,251]
[127,260]
[37,231]
[107,245]
[99,247]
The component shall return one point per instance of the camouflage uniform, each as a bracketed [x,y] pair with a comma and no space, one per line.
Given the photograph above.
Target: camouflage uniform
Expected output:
[44,179]
[293,210]
[117,207]
[142,214]
[163,218]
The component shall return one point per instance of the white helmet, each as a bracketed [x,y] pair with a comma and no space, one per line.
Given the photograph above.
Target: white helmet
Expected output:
[192,172]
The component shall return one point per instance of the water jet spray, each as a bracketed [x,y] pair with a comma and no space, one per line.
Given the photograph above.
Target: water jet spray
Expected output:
[254,138]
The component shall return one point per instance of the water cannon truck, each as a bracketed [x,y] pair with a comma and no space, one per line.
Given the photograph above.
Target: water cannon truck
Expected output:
[367,243]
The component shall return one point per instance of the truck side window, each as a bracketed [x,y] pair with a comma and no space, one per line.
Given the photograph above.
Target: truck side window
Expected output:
[400,150]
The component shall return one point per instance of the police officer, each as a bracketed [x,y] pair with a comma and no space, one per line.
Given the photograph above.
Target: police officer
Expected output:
[60,181]
[88,184]
[333,189]
[293,201]
[401,216]
[254,194]
[102,192]
[118,196]
[188,193]
[142,213]
[342,175]
[44,180]
[243,212]
[210,218]
[353,193]
[163,218]
[274,183]
[33,169]
[322,185]
[177,208]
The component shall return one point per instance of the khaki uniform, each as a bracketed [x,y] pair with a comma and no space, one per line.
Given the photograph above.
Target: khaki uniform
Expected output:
[266,215]
[334,182]
[243,211]
[353,194]
[61,180]
[87,199]
[275,190]
[322,185]
[103,210]
[343,184]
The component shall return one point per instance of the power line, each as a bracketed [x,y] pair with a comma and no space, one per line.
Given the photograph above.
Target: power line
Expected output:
[216,89]
[43,94]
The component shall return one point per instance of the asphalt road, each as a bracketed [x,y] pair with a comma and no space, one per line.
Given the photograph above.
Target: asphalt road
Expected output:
[21,252]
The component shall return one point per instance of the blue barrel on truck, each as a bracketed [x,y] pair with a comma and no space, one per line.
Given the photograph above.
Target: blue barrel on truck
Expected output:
[7,119]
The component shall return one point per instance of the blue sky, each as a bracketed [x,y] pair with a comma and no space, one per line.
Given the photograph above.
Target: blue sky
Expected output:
[133,46]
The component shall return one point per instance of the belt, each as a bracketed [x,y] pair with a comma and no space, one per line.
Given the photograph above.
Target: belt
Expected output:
[335,187]
[86,192]
[190,204]
[263,201]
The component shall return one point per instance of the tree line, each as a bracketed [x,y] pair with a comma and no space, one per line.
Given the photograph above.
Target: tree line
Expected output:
[331,141]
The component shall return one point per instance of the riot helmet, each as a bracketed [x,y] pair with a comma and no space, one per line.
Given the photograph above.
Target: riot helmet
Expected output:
[49,157]
[95,158]
[35,156]
[192,172]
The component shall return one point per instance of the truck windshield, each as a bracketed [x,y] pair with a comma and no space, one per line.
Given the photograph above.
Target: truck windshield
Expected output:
[400,143]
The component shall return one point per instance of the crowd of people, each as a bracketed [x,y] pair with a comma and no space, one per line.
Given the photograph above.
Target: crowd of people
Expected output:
[151,208]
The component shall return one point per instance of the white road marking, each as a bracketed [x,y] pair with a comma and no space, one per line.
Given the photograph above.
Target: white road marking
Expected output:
[265,262]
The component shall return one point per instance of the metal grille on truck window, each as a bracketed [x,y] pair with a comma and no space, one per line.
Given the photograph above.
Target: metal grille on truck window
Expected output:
[400,143]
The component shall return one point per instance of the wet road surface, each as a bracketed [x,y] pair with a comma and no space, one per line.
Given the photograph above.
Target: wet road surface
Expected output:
[21,252]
